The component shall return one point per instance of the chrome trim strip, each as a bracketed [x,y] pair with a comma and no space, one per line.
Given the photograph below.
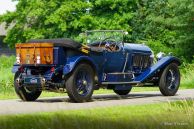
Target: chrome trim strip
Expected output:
[126,60]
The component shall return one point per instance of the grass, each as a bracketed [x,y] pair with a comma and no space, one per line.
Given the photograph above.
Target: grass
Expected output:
[179,115]
[7,90]
[187,75]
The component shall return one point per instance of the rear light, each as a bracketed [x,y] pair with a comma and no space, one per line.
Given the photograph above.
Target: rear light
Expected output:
[38,59]
[53,69]
[18,59]
[21,69]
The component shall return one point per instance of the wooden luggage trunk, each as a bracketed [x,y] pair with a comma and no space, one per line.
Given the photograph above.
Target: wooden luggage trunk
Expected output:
[34,53]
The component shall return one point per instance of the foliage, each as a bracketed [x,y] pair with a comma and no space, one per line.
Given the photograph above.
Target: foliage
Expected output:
[6,78]
[168,23]
[146,27]
[182,23]
[57,18]
[187,75]
[165,25]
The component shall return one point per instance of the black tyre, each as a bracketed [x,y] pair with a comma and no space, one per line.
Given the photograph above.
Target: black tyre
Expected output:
[80,84]
[24,93]
[123,92]
[170,80]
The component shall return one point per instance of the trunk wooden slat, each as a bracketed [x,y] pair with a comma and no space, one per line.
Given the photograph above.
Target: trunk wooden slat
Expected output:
[29,53]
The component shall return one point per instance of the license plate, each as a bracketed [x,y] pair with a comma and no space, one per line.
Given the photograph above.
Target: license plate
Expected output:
[32,80]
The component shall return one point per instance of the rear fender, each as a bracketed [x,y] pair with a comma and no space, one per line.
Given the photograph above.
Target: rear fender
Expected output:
[73,61]
[161,64]
[15,68]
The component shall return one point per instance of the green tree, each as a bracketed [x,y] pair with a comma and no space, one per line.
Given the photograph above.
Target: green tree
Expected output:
[42,19]
[148,25]
[166,25]
[59,18]
[182,23]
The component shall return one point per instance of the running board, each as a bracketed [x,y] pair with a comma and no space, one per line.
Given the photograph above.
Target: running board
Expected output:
[120,83]
[118,77]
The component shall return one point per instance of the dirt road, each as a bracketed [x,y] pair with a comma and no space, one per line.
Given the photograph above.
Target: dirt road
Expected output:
[62,103]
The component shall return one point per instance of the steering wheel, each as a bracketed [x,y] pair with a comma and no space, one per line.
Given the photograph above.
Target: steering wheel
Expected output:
[109,45]
[104,40]
[109,42]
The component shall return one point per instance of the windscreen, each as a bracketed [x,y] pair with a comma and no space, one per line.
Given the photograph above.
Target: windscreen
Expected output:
[100,36]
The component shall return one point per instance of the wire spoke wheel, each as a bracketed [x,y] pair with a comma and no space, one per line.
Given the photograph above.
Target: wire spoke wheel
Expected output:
[170,80]
[80,84]
[83,82]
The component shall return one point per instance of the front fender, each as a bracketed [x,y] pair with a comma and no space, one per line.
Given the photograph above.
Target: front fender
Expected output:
[162,63]
[73,61]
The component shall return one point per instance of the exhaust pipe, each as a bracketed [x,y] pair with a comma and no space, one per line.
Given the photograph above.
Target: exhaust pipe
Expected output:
[43,80]
[18,81]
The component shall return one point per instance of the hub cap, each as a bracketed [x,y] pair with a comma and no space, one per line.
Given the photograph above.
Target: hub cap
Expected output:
[172,79]
[83,82]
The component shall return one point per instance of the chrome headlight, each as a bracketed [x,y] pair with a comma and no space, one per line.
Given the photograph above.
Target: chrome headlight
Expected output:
[160,55]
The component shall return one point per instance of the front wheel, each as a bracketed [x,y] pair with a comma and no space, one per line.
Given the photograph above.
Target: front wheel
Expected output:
[24,93]
[170,80]
[80,84]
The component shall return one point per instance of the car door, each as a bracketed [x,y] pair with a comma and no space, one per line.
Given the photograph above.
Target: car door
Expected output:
[114,61]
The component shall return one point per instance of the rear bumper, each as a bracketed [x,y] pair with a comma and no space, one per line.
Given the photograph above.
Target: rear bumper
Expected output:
[32,81]
[39,82]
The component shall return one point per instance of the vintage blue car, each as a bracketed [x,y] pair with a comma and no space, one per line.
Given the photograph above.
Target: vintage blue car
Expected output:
[102,61]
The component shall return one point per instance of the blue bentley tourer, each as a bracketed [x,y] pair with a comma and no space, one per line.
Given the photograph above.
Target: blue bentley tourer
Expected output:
[103,60]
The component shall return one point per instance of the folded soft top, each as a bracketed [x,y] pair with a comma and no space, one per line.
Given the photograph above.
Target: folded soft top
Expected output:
[63,42]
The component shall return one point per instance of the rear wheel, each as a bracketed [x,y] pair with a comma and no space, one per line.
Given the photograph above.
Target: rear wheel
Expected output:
[24,93]
[123,92]
[170,80]
[80,84]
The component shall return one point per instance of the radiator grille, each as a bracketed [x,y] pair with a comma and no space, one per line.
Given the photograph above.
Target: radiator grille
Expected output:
[141,61]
